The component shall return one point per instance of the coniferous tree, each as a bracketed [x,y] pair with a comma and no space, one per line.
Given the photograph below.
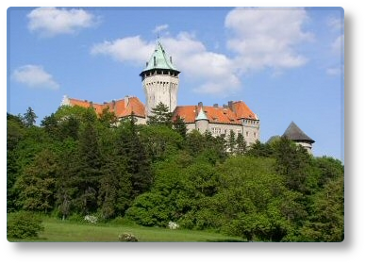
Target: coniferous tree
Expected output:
[66,184]
[160,116]
[50,125]
[232,142]
[241,144]
[138,165]
[292,162]
[29,118]
[89,164]
[115,187]
[180,127]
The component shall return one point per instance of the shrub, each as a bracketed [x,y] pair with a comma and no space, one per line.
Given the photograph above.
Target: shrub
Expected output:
[24,225]
[127,237]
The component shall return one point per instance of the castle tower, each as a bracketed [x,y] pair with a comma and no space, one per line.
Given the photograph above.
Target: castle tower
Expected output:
[201,121]
[160,80]
[294,133]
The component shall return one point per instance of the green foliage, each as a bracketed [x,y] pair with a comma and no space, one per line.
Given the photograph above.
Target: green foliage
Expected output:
[130,147]
[78,163]
[160,116]
[24,225]
[326,221]
[29,117]
[180,127]
[241,145]
[160,141]
[37,183]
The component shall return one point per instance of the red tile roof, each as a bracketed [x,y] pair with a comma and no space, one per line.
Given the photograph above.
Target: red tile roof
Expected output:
[225,115]
[122,108]
[243,111]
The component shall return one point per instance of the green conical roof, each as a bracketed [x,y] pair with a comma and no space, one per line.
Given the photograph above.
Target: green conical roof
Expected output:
[201,115]
[293,132]
[159,60]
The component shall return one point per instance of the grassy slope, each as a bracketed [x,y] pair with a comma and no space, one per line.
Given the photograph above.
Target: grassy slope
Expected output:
[57,230]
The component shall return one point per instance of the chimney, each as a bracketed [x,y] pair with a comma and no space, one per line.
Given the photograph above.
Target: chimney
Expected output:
[225,106]
[126,101]
[216,105]
[230,103]
[200,104]
[114,105]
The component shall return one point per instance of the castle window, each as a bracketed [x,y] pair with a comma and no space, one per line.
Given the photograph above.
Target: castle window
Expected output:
[255,134]
[247,134]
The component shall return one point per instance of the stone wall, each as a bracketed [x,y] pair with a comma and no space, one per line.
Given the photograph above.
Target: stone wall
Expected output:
[161,88]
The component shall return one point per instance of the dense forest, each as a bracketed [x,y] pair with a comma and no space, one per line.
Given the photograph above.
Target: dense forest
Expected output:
[78,163]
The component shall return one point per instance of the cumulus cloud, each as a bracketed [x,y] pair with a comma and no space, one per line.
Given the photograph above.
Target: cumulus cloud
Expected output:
[34,76]
[259,38]
[213,71]
[52,21]
[132,49]
[267,37]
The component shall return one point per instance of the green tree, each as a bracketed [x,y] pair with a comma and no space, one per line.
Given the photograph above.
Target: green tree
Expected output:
[326,221]
[88,166]
[138,165]
[15,131]
[241,145]
[232,142]
[259,149]
[160,142]
[180,126]
[160,116]
[108,118]
[22,225]
[66,183]
[292,162]
[37,183]
[115,187]
[29,118]
[251,198]
[50,124]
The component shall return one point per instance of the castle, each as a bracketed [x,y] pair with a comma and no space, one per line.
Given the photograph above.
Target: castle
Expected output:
[160,81]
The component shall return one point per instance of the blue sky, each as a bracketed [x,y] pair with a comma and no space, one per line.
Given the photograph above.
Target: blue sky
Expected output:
[286,64]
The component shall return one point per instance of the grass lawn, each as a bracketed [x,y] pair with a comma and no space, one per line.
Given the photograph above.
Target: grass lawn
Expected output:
[58,230]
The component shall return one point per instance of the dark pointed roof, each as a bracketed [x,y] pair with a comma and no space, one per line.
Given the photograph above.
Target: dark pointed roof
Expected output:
[293,132]
[159,60]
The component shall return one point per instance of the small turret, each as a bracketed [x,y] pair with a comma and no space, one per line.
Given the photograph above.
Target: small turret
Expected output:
[201,121]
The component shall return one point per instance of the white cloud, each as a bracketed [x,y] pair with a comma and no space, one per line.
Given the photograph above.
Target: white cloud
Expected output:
[333,71]
[260,38]
[267,37]
[52,21]
[160,28]
[337,45]
[34,76]
[213,71]
[132,49]
[335,24]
